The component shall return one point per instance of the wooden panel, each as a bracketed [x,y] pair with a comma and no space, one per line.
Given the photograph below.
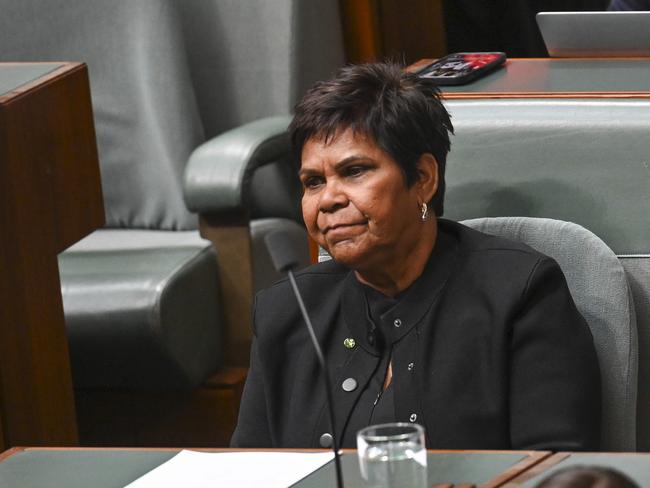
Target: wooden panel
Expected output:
[361,30]
[52,136]
[379,29]
[533,459]
[230,236]
[536,470]
[205,417]
[56,459]
[412,31]
[51,197]
[313,250]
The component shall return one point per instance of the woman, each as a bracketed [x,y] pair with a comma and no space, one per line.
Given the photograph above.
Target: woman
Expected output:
[421,319]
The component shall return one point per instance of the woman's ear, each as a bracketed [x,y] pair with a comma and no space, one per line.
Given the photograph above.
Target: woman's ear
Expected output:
[427,183]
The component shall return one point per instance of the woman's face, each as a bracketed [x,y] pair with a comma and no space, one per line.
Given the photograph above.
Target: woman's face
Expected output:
[356,203]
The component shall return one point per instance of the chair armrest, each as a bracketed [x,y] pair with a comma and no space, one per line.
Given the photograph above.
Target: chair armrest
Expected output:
[218,173]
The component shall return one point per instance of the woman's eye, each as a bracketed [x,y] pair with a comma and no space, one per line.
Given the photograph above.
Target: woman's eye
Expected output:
[356,170]
[312,182]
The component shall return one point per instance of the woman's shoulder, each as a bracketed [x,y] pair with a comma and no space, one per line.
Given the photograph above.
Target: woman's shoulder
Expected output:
[319,285]
[315,275]
[485,257]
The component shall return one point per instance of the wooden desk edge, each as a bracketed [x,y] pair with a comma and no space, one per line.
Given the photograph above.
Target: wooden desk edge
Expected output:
[533,459]
[64,67]
[516,471]
[10,452]
[537,469]
[17,449]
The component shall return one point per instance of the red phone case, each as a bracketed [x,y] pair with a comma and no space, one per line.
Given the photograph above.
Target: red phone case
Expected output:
[461,68]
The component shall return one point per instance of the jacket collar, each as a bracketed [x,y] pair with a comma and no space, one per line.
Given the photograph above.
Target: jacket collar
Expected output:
[413,303]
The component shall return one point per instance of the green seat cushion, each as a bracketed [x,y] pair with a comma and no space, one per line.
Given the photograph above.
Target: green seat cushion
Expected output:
[142,309]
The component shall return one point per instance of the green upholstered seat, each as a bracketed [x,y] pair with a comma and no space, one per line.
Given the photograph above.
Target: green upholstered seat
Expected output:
[141,309]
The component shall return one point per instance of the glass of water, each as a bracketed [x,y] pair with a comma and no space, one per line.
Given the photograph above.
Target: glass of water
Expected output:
[392,455]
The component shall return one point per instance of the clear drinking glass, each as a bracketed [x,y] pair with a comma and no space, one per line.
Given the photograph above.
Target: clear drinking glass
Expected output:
[392,455]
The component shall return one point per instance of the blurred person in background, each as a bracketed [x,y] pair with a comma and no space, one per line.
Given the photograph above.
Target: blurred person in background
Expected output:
[587,477]
[636,5]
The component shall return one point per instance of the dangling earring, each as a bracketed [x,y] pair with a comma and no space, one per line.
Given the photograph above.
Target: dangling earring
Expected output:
[425,212]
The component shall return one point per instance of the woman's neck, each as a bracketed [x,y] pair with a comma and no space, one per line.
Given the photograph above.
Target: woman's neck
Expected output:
[396,274]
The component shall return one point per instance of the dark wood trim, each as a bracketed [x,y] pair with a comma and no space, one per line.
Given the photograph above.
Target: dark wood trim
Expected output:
[537,455]
[536,470]
[227,377]
[203,417]
[51,77]
[418,65]
[379,29]
[313,250]
[10,452]
[230,236]
[412,30]
[361,30]
[533,459]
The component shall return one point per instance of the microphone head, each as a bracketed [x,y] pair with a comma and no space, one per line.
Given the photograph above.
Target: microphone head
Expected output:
[284,250]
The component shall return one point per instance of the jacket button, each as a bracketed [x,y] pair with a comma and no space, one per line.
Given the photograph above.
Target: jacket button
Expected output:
[325,440]
[413,417]
[349,384]
[349,343]
[397,323]
[411,366]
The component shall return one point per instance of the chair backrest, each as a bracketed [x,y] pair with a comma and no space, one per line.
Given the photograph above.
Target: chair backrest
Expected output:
[598,284]
[583,161]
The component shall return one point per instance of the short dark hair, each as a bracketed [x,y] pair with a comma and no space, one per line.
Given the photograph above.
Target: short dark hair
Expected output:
[398,110]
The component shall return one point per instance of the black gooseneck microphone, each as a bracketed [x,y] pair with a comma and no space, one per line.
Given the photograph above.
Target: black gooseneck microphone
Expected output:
[283,250]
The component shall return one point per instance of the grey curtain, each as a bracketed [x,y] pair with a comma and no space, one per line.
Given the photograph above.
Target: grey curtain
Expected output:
[167,74]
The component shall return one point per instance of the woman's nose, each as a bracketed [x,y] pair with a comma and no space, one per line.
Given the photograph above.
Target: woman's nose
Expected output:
[332,197]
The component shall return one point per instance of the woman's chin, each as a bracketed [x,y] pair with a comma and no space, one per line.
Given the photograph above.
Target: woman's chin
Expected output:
[346,252]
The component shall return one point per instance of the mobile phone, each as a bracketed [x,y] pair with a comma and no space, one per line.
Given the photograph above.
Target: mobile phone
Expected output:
[461,68]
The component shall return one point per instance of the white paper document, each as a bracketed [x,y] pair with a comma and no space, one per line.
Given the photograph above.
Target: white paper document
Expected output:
[192,469]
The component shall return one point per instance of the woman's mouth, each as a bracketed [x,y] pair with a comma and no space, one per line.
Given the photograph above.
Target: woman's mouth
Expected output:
[342,231]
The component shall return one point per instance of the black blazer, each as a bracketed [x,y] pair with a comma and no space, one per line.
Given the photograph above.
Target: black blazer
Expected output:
[491,353]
